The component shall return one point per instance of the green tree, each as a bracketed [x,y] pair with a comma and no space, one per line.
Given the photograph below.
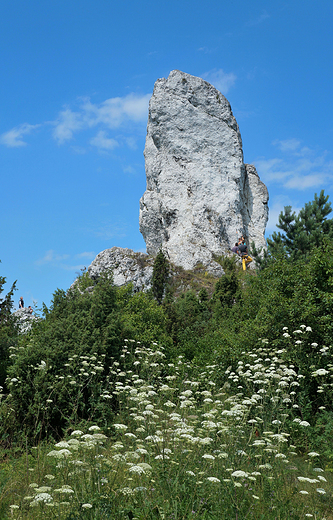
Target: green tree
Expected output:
[8,330]
[302,232]
[160,276]
[78,327]
[228,288]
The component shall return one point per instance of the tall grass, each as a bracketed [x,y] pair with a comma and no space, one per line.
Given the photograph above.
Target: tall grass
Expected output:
[188,443]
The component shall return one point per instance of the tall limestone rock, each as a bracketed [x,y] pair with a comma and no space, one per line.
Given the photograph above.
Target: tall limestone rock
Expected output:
[200,195]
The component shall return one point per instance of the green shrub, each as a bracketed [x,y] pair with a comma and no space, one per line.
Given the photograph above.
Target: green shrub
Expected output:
[160,277]
[55,377]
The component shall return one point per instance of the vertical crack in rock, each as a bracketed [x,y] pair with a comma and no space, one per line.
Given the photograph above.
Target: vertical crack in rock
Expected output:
[200,195]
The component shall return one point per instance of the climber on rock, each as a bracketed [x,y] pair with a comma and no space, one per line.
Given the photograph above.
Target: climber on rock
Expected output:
[246,259]
[235,249]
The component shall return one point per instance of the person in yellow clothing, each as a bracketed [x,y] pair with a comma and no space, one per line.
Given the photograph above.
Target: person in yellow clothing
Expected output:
[246,259]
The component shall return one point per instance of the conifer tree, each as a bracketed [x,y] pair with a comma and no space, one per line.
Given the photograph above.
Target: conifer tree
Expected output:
[300,233]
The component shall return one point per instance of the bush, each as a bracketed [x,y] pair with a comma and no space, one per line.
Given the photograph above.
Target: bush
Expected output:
[56,376]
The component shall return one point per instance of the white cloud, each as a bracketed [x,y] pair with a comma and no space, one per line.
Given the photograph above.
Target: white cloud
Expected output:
[297,167]
[256,21]
[51,257]
[86,254]
[221,80]
[111,113]
[109,230]
[288,145]
[72,267]
[103,142]
[206,50]
[129,169]
[57,261]
[13,138]
[308,181]
[79,150]
[67,123]
[131,143]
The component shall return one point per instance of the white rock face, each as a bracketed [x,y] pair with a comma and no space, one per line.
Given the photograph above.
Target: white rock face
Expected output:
[200,195]
[126,265]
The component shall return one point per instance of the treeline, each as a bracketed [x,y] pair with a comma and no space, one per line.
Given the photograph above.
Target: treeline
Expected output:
[55,376]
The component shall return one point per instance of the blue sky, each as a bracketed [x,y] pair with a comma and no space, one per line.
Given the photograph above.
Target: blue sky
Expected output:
[76,80]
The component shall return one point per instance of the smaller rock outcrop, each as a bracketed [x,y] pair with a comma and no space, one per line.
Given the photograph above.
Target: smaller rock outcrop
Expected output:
[127,266]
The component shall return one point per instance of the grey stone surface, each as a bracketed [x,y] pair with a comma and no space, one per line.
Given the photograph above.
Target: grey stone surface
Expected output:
[200,195]
[126,265]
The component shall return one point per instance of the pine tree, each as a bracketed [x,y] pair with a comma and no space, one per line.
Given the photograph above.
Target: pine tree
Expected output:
[300,233]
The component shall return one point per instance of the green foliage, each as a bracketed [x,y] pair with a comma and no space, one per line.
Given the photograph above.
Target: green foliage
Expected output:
[287,293]
[228,287]
[142,318]
[160,276]
[8,329]
[188,319]
[188,441]
[302,232]
[50,386]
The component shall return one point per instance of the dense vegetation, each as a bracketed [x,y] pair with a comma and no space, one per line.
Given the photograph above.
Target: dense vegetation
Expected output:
[197,379]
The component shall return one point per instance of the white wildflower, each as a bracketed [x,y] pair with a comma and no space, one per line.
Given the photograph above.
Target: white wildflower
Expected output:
[120,426]
[62,444]
[93,428]
[239,473]
[208,456]
[41,497]
[137,469]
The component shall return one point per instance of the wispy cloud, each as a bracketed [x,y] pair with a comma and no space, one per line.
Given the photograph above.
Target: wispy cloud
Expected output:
[108,115]
[131,143]
[67,123]
[51,257]
[109,230]
[79,150]
[86,254]
[75,268]
[103,142]
[259,19]
[297,167]
[206,50]
[129,169]
[288,145]
[111,113]
[63,261]
[13,138]
[223,81]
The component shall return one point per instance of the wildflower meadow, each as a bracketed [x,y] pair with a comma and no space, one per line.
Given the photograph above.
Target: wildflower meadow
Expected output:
[186,442]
